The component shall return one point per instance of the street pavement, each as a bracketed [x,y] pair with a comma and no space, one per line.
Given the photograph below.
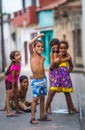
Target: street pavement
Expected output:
[61,120]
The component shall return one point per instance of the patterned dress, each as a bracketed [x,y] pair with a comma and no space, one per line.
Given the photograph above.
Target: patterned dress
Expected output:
[60,80]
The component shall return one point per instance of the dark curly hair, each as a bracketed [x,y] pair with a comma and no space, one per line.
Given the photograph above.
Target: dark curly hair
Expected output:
[54,41]
[64,42]
[22,77]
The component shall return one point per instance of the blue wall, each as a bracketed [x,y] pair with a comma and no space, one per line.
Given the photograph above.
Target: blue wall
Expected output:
[46,18]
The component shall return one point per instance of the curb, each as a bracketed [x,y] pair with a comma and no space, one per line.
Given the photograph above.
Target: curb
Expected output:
[79,70]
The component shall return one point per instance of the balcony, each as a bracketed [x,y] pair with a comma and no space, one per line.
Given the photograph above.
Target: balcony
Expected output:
[26,16]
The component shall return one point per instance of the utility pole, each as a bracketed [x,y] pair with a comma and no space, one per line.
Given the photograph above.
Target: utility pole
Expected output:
[2,37]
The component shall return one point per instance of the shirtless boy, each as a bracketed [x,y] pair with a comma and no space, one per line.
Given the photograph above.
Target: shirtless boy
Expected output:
[24,105]
[39,81]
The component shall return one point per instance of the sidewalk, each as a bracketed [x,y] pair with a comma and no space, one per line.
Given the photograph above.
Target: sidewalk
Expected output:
[1,76]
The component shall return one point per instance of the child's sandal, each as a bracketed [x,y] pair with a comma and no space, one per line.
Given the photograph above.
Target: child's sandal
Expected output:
[34,121]
[44,118]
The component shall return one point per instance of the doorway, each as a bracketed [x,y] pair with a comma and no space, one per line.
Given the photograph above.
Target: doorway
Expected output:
[47,49]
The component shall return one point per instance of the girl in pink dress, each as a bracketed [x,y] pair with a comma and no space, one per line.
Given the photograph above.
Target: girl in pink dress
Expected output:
[11,81]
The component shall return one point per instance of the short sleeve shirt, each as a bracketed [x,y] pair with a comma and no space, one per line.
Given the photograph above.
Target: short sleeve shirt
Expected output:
[13,67]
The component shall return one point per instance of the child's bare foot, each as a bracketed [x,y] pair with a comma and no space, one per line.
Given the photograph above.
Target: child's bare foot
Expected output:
[11,114]
[76,110]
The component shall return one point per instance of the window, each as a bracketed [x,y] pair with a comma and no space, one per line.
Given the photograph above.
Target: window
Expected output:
[77,42]
[33,3]
[33,35]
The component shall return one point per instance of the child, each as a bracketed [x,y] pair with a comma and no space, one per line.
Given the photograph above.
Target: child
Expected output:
[54,44]
[11,81]
[39,81]
[22,91]
[64,69]
[61,81]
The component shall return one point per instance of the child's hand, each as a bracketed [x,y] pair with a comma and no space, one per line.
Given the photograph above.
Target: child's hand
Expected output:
[42,35]
[60,56]
[57,60]
[11,94]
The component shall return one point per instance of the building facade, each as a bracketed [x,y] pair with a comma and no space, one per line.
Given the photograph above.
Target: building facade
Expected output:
[83,31]
[68,26]
[56,19]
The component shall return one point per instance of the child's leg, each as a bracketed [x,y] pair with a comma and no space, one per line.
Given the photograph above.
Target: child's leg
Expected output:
[9,113]
[22,105]
[49,100]
[16,99]
[70,104]
[49,110]
[43,116]
[33,120]
[28,103]
[8,102]
[42,104]
[34,101]
[69,101]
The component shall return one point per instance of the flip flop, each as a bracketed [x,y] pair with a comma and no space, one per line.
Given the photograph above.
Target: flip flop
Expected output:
[34,121]
[11,115]
[45,118]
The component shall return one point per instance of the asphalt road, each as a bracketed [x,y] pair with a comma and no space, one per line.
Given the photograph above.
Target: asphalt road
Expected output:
[61,120]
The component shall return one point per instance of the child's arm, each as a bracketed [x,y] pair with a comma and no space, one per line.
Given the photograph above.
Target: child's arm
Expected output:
[51,58]
[70,66]
[25,94]
[32,41]
[13,79]
[60,59]
[67,58]
[53,63]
